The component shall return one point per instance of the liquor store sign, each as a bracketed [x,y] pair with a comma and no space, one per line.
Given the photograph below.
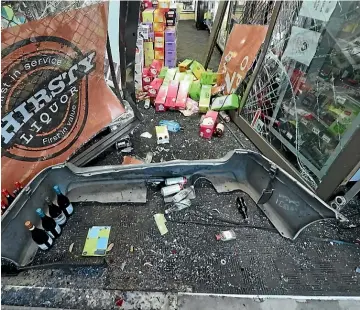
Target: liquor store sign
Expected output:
[54,97]
[44,97]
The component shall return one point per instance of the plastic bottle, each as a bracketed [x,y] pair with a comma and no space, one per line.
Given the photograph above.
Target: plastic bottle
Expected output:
[179,206]
[179,180]
[172,189]
[226,235]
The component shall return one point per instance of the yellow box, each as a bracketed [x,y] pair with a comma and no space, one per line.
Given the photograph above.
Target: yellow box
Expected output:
[159,54]
[159,16]
[148,46]
[205,95]
[148,16]
[197,69]
[159,27]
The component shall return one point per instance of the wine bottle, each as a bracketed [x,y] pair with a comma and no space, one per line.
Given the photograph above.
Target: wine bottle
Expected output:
[18,188]
[43,240]
[55,212]
[51,227]
[9,197]
[63,202]
[3,207]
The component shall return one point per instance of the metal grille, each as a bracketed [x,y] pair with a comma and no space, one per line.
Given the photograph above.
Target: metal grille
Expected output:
[257,12]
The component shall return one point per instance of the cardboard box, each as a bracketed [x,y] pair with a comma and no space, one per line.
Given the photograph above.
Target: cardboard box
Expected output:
[208,78]
[195,90]
[208,124]
[160,99]
[170,34]
[159,53]
[159,27]
[171,94]
[163,72]
[148,47]
[159,34]
[180,103]
[148,15]
[179,76]
[183,66]
[170,74]
[170,46]
[154,87]
[159,42]
[143,31]
[146,78]
[223,103]
[197,69]
[148,60]
[159,16]
[171,63]
[155,67]
[189,77]
[205,96]
[162,134]
[147,4]
[170,55]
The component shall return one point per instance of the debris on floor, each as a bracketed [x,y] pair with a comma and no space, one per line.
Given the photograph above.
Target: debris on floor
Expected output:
[130,160]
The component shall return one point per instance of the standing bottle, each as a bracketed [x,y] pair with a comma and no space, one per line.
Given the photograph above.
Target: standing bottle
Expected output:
[56,213]
[3,207]
[40,237]
[18,188]
[9,197]
[63,202]
[51,227]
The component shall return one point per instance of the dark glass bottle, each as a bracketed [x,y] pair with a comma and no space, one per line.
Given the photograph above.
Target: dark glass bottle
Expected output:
[63,202]
[43,240]
[51,227]
[18,188]
[56,213]
[9,197]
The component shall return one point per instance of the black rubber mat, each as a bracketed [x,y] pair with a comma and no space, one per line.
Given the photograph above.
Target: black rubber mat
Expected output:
[188,258]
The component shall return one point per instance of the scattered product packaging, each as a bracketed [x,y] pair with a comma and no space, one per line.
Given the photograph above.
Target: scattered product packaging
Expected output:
[178,180]
[180,103]
[195,90]
[160,99]
[185,193]
[205,95]
[163,72]
[172,126]
[170,74]
[207,125]
[185,65]
[154,87]
[192,107]
[155,67]
[226,235]
[179,76]
[208,78]
[197,69]
[178,206]
[225,116]
[228,102]
[217,89]
[146,78]
[162,134]
[148,15]
[161,223]
[171,189]
[159,16]
[171,95]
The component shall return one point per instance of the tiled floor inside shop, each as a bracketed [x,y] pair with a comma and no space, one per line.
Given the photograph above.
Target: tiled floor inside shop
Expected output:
[189,258]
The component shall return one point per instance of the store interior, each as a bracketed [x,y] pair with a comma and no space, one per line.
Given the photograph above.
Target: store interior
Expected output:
[280,81]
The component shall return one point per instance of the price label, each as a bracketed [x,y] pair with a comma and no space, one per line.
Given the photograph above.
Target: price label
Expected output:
[326,138]
[289,135]
[259,125]
[315,130]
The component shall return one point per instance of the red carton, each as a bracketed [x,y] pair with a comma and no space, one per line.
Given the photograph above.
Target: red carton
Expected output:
[146,79]
[160,99]
[171,95]
[155,67]
[208,124]
[182,95]
[154,87]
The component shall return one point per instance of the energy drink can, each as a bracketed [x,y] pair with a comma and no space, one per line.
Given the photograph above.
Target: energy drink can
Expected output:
[179,180]
[170,190]
[225,116]
[147,103]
